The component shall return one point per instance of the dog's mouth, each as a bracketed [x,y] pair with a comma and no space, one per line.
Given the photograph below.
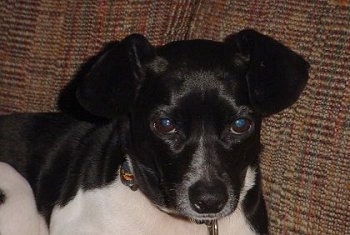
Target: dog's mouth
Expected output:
[196,220]
[193,217]
[208,218]
[178,203]
[217,207]
[207,222]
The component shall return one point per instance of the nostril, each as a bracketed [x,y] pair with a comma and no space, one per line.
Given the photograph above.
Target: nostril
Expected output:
[208,197]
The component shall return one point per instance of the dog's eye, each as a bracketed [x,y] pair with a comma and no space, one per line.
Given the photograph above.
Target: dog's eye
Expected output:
[241,125]
[164,126]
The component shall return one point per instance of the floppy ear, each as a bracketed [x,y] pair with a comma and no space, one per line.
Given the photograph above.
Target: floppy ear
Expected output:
[110,87]
[275,75]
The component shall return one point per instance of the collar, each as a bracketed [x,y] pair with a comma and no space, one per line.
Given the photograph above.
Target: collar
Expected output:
[128,179]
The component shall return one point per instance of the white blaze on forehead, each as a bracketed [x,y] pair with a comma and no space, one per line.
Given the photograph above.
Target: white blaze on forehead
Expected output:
[198,164]
[199,167]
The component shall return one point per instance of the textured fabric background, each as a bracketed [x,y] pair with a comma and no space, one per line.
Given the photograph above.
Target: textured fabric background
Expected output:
[306,159]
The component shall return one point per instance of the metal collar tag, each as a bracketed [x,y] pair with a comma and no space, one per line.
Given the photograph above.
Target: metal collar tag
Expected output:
[213,228]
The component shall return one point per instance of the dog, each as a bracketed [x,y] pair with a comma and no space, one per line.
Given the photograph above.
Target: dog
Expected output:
[174,146]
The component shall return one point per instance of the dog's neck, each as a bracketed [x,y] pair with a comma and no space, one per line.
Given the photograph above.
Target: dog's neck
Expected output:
[128,179]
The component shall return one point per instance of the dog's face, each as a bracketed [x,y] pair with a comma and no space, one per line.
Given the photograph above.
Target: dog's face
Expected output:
[193,131]
[194,112]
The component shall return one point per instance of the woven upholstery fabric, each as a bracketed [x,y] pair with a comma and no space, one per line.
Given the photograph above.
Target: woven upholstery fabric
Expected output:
[306,160]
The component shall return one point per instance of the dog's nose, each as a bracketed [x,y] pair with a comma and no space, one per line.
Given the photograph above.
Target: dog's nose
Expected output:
[208,197]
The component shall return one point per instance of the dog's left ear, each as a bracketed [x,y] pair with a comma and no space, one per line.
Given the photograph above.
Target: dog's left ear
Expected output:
[275,75]
[110,87]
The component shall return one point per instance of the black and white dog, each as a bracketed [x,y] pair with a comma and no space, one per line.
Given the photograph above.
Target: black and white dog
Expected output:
[179,126]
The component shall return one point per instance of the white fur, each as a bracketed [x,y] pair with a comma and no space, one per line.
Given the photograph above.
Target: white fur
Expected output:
[117,210]
[18,215]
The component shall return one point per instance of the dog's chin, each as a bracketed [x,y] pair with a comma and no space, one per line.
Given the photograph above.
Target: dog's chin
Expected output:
[195,217]
[207,218]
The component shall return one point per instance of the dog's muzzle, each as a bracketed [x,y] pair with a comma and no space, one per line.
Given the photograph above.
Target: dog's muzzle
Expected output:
[206,198]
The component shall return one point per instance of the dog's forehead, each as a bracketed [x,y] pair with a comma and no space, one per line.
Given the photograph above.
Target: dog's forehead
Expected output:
[196,64]
[192,70]
[197,91]
[195,53]
[196,85]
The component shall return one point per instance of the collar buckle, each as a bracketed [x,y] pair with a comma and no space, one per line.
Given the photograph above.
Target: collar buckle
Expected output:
[127,177]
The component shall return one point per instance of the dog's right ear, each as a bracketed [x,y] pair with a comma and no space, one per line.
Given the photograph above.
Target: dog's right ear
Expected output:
[110,87]
[274,74]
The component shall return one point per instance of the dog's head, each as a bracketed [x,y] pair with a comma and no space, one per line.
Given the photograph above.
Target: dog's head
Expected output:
[194,111]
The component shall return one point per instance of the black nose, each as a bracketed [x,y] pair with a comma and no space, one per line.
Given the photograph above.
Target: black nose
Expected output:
[208,197]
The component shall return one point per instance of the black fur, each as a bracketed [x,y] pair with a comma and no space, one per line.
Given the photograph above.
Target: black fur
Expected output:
[201,86]
[2,197]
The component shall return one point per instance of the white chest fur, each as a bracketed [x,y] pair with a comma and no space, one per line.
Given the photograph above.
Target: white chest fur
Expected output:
[116,209]
[18,215]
